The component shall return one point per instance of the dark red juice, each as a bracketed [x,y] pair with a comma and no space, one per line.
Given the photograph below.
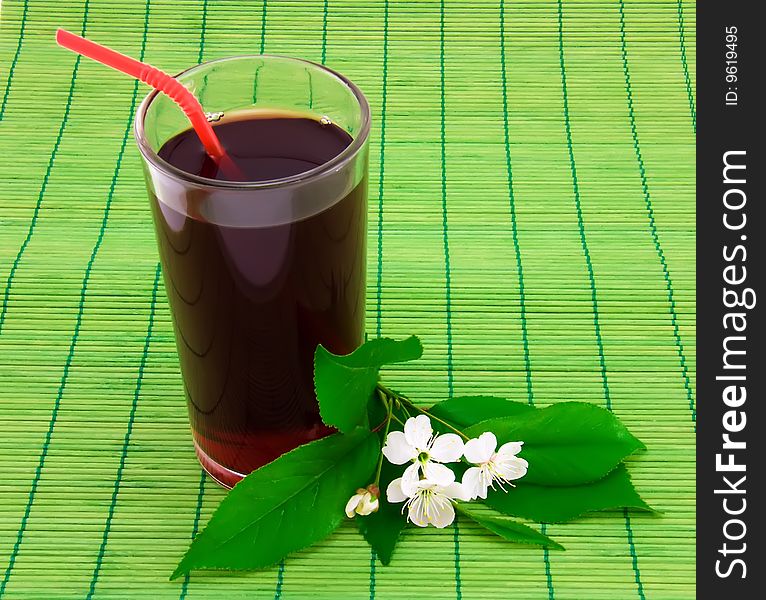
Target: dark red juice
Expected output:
[251,303]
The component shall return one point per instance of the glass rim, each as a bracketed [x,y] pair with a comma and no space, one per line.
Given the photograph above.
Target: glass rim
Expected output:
[336,162]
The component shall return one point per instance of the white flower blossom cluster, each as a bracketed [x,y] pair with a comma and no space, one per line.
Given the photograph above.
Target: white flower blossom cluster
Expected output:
[428,487]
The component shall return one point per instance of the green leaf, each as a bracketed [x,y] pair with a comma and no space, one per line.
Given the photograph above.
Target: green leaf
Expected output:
[284,506]
[382,529]
[344,384]
[559,504]
[566,444]
[505,527]
[464,411]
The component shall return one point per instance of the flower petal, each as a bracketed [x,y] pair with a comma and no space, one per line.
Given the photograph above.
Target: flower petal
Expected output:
[511,467]
[417,512]
[474,484]
[368,505]
[480,450]
[394,491]
[418,431]
[438,474]
[397,450]
[457,491]
[442,512]
[351,505]
[447,448]
[410,479]
[510,449]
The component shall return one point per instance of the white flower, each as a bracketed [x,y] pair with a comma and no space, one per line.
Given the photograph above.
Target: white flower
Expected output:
[425,450]
[364,502]
[502,466]
[428,502]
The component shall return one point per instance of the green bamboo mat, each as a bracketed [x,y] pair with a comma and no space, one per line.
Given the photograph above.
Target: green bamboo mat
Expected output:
[531,218]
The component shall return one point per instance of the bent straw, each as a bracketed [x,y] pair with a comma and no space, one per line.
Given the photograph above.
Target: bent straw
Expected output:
[160,81]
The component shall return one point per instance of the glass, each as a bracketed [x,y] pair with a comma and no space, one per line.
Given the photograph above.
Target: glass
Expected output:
[258,273]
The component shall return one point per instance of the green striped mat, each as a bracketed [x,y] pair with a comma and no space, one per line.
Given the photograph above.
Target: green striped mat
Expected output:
[531,217]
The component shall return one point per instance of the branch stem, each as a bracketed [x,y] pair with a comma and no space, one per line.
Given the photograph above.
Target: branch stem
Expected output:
[390,414]
[405,402]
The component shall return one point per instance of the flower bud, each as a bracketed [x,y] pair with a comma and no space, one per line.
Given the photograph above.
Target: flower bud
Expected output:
[364,502]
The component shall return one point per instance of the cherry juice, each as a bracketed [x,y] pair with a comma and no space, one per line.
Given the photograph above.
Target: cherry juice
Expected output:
[251,303]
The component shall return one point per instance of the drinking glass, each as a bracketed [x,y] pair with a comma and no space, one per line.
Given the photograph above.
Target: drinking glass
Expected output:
[258,273]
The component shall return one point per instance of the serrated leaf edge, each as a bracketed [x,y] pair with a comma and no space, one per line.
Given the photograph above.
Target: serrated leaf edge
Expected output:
[178,572]
[460,507]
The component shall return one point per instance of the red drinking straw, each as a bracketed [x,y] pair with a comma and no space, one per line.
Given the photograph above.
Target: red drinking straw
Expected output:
[159,80]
